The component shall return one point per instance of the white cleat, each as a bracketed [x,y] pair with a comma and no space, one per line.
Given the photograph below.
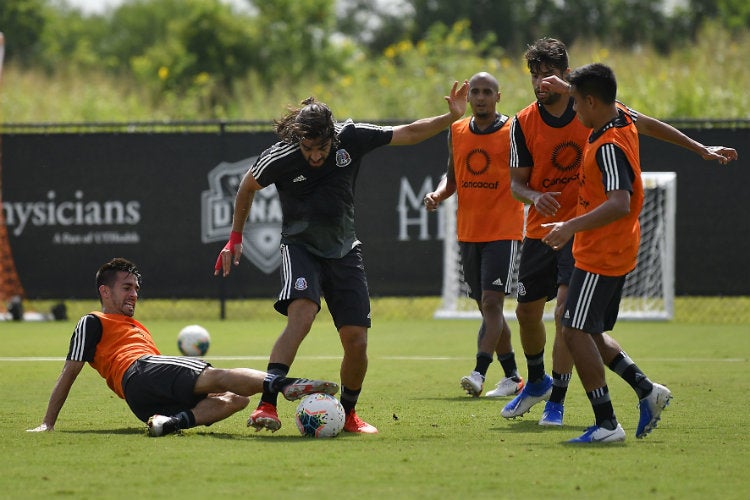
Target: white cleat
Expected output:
[506,387]
[473,384]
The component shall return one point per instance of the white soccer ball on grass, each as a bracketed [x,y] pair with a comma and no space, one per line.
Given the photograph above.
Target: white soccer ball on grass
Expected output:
[193,340]
[320,415]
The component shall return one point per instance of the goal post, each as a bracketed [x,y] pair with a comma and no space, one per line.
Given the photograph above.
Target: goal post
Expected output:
[648,293]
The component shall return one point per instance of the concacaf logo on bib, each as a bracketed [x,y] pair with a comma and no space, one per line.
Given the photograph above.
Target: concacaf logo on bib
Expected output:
[343,158]
[262,235]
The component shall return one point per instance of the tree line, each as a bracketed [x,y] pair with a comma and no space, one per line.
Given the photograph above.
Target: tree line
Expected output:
[184,46]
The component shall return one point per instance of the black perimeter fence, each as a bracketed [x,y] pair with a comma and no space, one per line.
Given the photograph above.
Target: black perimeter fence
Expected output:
[692,306]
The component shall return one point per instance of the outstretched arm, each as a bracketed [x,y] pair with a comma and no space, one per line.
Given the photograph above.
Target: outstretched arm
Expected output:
[658,129]
[60,392]
[418,131]
[667,133]
[243,201]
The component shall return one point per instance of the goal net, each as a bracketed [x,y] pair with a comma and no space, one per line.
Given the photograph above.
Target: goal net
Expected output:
[648,293]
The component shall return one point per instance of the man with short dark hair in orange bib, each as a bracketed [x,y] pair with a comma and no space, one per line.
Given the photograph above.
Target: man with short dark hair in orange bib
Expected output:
[168,393]
[547,143]
[607,236]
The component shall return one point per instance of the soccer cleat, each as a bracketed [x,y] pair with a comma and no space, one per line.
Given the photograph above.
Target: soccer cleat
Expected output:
[651,407]
[473,384]
[161,425]
[304,386]
[596,434]
[531,394]
[355,424]
[264,417]
[552,415]
[508,386]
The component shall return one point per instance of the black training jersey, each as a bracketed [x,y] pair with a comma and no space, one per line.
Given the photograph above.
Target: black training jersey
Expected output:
[318,202]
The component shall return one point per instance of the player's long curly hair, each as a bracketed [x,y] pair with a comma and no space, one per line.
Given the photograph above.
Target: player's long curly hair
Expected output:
[312,120]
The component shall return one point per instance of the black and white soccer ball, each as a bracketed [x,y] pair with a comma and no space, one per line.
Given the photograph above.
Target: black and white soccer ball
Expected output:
[320,415]
[193,340]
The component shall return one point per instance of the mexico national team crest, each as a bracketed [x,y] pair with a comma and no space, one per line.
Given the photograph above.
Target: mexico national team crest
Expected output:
[343,158]
[262,234]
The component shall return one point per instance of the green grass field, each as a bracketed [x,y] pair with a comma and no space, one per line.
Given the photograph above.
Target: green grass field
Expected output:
[434,441]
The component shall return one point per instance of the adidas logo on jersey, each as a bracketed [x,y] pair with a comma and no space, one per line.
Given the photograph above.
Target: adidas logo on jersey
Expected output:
[498,282]
[299,178]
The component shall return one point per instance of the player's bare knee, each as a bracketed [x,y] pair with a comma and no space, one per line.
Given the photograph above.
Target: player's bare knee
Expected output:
[353,340]
[237,402]
[528,316]
[492,304]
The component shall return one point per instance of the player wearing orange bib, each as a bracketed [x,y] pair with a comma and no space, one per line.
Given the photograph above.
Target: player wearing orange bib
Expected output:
[553,162]
[547,143]
[126,341]
[169,393]
[611,249]
[607,235]
[489,226]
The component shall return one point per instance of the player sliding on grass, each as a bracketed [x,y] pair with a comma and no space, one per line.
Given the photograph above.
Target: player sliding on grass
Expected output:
[314,168]
[170,393]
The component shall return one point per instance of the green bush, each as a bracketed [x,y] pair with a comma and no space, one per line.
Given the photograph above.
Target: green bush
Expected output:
[407,80]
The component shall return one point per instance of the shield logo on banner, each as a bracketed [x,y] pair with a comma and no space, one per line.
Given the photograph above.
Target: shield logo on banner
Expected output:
[262,234]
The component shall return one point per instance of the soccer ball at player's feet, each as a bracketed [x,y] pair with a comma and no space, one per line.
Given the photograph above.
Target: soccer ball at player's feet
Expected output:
[320,415]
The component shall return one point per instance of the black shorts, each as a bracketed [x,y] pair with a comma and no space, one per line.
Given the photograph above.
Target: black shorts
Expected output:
[593,301]
[488,266]
[162,385]
[342,282]
[543,269]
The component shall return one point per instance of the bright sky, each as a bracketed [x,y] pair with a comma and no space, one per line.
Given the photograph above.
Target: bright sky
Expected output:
[94,6]
[99,6]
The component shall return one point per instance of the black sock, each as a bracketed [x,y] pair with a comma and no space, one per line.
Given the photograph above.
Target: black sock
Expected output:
[602,406]
[560,383]
[535,362]
[186,419]
[349,398]
[275,371]
[630,373]
[483,363]
[508,362]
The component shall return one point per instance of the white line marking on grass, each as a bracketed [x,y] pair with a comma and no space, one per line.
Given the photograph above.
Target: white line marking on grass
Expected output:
[31,358]
[388,358]
[693,360]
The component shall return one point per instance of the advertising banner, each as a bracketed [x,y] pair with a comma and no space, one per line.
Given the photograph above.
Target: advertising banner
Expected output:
[73,201]
[165,201]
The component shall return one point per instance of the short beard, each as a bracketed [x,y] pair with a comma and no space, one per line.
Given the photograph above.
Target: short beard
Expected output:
[551,99]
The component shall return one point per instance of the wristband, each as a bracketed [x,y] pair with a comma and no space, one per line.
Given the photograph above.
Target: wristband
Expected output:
[235,238]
